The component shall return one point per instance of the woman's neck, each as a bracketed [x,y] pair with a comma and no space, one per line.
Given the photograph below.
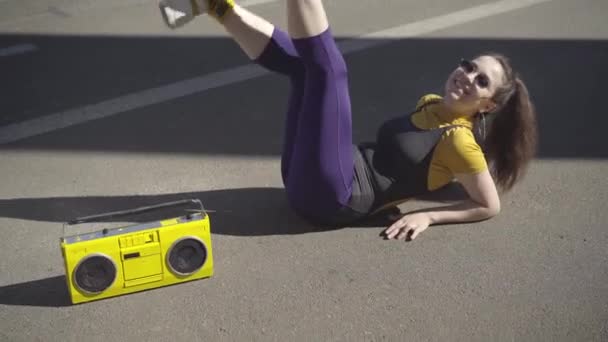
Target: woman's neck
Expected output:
[449,113]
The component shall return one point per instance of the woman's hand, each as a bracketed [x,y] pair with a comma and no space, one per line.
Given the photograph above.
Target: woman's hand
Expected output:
[409,225]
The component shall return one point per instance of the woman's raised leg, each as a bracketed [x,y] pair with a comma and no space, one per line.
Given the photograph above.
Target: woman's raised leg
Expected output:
[251,32]
[273,49]
[262,42]
[306,18]
[321,171]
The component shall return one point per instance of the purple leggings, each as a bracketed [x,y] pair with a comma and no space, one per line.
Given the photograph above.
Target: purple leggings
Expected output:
[317,158]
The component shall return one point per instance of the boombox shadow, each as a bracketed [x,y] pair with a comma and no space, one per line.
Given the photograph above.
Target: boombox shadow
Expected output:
[44,292]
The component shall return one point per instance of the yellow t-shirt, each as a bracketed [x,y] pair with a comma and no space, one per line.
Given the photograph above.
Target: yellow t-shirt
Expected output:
[457,151]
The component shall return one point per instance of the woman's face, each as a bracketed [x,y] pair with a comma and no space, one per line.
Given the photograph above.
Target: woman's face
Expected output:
[470,87]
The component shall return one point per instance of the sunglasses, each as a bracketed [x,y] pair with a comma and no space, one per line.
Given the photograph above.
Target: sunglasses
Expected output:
[481,79]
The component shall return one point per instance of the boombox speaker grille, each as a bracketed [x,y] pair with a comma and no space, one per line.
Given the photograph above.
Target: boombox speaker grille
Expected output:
[95,273]
[187,256]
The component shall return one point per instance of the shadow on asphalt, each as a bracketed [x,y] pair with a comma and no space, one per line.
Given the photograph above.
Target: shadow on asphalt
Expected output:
[242,212]
[565,78]
[44,292]
[249,211]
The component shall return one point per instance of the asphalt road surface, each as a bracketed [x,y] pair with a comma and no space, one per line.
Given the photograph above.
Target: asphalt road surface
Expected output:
[102,108]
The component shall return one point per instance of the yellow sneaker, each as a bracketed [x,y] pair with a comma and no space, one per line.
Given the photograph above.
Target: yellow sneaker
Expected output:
[219,8]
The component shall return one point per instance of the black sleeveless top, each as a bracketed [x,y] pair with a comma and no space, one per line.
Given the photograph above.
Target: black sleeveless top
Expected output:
[393,168]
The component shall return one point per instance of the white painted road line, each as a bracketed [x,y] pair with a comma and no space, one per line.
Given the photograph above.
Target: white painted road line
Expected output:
[49,123]
[17,50]
[437,23]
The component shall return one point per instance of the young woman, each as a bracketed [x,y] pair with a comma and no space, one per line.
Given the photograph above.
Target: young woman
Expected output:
[329,180]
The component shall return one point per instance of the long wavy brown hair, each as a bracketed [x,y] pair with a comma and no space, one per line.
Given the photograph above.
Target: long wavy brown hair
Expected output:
[512,136]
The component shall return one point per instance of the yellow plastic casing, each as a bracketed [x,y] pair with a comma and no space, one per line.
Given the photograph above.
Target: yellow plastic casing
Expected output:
[150,243]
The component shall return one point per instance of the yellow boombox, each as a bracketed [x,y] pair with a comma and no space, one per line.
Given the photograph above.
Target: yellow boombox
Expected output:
[112,262]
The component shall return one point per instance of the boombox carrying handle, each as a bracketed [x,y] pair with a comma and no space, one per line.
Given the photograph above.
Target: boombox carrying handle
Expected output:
[139,210]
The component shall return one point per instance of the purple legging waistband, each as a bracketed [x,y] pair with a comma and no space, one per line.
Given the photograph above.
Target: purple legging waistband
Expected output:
[317,157]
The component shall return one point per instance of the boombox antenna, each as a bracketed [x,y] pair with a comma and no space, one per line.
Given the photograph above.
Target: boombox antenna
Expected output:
[200,211]
[134,211]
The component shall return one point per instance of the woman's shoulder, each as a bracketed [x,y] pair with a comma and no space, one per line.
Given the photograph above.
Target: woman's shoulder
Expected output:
[428,99]
[461,138]
[459,150]
[421,117]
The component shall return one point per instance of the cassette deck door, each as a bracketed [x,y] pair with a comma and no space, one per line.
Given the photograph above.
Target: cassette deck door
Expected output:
[141,258]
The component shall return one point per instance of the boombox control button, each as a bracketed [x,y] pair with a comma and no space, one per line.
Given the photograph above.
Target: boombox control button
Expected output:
[138,240]
[126,242]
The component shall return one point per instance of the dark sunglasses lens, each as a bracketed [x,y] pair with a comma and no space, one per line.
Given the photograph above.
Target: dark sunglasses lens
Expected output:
[467,66]
[482,80]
